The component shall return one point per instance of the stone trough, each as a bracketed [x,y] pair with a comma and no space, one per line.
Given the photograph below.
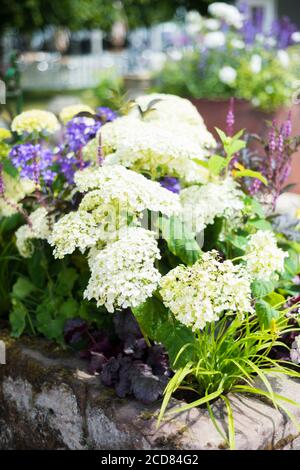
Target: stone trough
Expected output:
[49,401]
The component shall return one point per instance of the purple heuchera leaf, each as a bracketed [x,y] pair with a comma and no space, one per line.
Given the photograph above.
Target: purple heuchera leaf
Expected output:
[126,363]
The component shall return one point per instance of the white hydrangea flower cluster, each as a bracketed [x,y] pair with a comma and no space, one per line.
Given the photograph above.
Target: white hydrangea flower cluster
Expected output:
[74,230]
[201,293]
[151,148]
[114,197]
[68,112]
[39,229]
[35,121]
[263,257]
[164,141]
[202,204]
[116,185]
[15,190]
[123,274]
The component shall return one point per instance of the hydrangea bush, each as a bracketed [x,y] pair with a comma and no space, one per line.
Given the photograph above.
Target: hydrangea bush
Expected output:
[229,54]
[139,240]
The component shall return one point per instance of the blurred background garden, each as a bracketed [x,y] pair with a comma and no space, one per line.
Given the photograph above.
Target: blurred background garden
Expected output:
[104,53]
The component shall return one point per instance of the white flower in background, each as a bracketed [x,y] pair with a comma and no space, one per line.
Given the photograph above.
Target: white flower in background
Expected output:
[255,63]
[202,204]
[263,257]
[175,54]
[295,350]
[201,293]
[15,190]
[73,230]
[123,274]
[193,16]
[227,75]
[296,36]
[116,185]
[283,58]
[271,42]
[228,13]
[214,39]
[212,24]
[237,43]
[39,229]
[68,112]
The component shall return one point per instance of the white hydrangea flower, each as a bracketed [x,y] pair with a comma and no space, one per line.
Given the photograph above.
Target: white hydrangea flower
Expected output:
[117,186]
[73,230]
[227,75]
[123,274]
[39,229]
[214,39]
[264,258]
[35,121]
[202,204]
[15,190]
[151,148]
[201,293]
[167,108]
[228,13]
[295,350]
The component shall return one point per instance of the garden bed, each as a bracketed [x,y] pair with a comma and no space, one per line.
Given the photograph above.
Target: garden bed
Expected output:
[49,401]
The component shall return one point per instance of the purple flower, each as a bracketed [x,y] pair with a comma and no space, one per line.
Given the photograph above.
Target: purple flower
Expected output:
[79,131]
[230,118]
[33,161]
[171,183]
[106,114]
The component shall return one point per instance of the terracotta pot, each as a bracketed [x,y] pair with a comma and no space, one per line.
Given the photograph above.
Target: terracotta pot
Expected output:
[253,120]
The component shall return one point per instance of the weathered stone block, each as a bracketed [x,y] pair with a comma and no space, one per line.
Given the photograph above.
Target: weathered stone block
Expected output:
[48,401]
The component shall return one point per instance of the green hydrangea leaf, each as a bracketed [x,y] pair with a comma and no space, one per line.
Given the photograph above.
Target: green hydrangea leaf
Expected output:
[17,318]
[265,313]
[180,241]
[261,288]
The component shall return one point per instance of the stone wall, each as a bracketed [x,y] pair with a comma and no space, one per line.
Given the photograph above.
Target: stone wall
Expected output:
[48,401]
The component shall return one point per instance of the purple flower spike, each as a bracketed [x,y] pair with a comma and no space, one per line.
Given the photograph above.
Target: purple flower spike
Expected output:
[288,126]
[171,183]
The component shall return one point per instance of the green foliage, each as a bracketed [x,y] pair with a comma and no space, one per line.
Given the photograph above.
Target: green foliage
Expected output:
[229,357]
[48,293]
[158,324]
[269,89]
[181,242]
